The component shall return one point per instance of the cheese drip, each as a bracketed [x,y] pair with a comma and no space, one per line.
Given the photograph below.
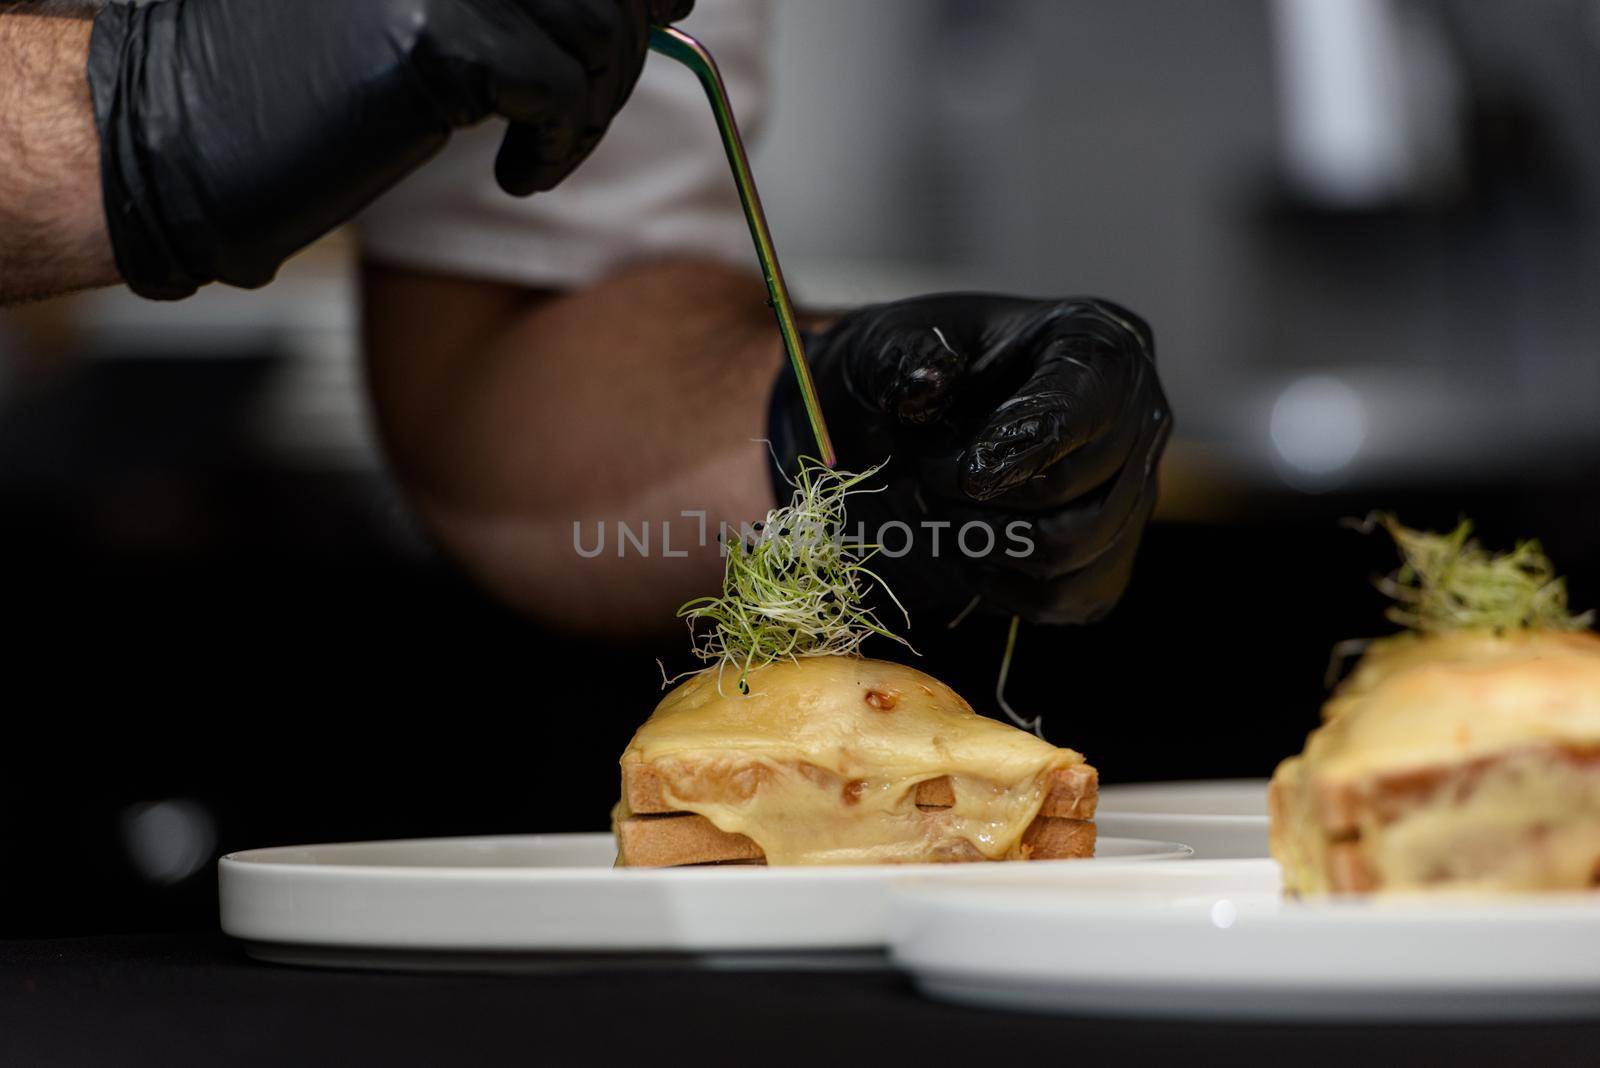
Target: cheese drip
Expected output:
[820,764]
[1469,758]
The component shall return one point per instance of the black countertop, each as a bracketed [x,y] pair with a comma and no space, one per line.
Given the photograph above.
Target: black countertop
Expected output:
[196,999]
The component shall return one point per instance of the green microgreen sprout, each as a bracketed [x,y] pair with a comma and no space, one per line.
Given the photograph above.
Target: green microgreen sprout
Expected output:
[1448,582]
[792,585]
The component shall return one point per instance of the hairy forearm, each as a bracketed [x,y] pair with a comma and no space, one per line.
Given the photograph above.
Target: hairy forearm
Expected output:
[52,223]
[511,417]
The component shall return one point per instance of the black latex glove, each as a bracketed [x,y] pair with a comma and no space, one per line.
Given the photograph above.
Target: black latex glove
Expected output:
[996,411]
[235,132]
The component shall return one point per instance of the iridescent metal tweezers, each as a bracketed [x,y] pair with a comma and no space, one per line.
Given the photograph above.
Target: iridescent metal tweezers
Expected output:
[692,54]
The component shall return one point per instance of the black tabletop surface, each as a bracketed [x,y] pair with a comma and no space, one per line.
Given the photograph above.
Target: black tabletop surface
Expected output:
[196,999]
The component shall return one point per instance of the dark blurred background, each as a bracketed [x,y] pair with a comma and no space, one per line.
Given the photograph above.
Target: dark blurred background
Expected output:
[1365,232]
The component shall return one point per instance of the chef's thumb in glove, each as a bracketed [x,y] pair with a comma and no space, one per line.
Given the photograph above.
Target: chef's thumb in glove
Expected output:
[235,132]
[1019,438]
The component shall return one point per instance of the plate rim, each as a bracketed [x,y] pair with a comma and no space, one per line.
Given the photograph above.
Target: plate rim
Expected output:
[242,861]
[1106,806]
[1430,909]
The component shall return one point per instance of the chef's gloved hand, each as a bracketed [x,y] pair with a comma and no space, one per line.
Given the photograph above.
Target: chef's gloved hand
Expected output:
[235,132]
[1035,425]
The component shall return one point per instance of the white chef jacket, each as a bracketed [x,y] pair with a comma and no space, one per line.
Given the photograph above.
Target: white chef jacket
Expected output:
[657,184]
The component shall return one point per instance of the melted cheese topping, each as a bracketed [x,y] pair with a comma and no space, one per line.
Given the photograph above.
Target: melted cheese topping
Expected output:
[1528,823]
[1494,719]
[1419,702]
[820,763]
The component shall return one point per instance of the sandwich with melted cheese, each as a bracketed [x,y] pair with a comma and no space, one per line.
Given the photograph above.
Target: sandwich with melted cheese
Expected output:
[843,760]
[1464,754]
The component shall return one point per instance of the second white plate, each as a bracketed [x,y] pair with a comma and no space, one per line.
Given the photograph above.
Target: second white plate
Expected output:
[420,902]
[1217,939]
[1220,818]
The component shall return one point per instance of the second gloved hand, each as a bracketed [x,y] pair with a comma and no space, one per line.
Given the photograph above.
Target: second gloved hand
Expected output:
[1021,440]
[235,132]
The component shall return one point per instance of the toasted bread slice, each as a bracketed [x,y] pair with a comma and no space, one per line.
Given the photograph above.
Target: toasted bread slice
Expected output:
[680,839]
[1341,807]
[1072,792]
[1330,835]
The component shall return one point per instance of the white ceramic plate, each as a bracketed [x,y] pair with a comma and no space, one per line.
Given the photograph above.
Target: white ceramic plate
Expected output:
[1216,939]
[418,902]
[1220,818]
